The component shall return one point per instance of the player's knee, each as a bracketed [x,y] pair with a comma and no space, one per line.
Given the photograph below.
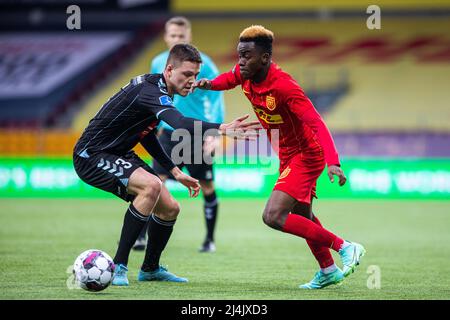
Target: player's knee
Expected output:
[152,188]
[273,218]
[172,211]
[175,210]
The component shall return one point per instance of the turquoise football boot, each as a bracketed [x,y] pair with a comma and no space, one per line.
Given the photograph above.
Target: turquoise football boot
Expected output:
[160,274]
[351,257]
[120,276]
[322,280]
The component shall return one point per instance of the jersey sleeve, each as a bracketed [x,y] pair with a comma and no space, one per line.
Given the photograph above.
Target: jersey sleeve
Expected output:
[152,145]
[177,121]
[297,102]
[227,80]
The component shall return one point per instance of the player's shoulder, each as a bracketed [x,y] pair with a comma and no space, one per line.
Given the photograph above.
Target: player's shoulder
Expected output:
[154,85]
[153,79]
[282,80]
[154,92]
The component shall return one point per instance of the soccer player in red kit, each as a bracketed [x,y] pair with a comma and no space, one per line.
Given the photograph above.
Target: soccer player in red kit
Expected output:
[305,146]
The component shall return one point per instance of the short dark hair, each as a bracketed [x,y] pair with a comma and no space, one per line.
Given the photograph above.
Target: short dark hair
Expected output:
[179,21]
[183,52]
[261,36]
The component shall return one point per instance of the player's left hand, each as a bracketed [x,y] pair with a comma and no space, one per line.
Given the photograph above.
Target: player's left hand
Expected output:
[335,170]
[189,182]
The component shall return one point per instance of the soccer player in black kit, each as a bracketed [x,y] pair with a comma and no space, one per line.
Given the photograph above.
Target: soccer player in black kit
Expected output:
[103,157]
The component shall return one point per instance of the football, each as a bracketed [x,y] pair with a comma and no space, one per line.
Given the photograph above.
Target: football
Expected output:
[93,270]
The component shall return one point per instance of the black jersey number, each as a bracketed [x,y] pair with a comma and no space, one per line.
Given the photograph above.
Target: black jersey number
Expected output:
[121,162]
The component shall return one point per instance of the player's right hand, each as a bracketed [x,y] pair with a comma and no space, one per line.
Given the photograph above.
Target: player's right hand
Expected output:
[204,84]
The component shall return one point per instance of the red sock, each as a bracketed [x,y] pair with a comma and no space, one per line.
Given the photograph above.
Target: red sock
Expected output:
[305,228]
[322,254]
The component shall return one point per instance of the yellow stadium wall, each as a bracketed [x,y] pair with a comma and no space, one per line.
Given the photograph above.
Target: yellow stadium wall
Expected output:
[297,5]
[48,143]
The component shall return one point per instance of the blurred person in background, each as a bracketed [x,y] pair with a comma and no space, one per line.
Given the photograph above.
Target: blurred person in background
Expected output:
[204,105]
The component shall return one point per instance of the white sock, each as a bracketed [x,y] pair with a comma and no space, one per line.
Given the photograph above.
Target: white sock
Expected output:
[329,269]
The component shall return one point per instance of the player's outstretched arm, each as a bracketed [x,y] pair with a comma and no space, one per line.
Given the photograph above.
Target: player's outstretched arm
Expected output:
[224,81]
[237,128]
[203,84]
[240,129]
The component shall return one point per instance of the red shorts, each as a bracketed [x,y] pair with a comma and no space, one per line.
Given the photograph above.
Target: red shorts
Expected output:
[298,177]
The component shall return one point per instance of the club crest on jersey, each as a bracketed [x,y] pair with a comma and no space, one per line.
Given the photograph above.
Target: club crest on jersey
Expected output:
[165,100]
[270,103]
[285,173]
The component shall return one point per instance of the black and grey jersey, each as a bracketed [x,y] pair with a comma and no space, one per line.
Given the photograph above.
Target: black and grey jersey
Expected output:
[131,116]
[127,116]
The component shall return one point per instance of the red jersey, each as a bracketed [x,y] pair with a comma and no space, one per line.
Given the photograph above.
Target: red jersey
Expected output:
[282,108]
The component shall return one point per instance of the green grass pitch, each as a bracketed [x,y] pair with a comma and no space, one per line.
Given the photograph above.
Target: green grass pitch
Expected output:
[408,240]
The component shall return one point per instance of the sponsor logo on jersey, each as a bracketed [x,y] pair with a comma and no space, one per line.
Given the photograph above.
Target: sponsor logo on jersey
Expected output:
[165,101]
[268,118]
[270,103]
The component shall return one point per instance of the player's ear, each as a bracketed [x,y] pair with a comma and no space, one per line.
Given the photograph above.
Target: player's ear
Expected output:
[265,58]
[169,69]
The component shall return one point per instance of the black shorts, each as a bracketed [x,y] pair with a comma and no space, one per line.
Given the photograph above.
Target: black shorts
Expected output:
[109,172]
[201,171]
